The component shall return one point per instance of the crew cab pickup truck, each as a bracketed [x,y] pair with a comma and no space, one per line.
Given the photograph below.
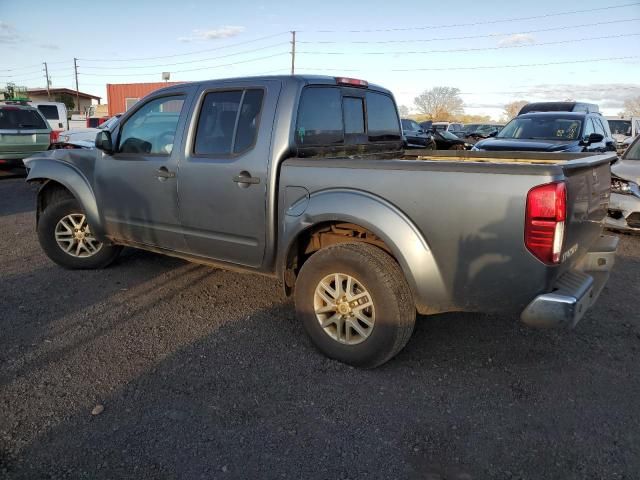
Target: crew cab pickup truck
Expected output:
[304,179]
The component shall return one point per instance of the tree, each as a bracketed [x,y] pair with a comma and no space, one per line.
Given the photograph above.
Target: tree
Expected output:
[632,107]
[404,111]
[511,109]
[68,101]
[440,103]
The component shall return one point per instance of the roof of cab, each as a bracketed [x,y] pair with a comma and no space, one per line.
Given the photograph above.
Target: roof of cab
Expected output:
[576,115]
[301,79]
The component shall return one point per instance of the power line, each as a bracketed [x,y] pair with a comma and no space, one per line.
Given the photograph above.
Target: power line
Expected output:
[186,53]
[190,61]
[470,37]
[500,47]
[486,22]
[487,67]
[184,71]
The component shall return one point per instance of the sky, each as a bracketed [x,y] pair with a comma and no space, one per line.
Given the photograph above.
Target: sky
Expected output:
[494,53]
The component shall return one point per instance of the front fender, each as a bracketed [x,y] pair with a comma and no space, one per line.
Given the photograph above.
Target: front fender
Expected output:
[66,174]
[385,220]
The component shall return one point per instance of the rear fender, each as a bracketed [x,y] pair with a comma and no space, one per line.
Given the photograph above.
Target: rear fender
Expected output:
[47,170]
[403,238]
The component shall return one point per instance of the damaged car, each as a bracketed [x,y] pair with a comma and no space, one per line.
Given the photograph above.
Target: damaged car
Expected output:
[624,205]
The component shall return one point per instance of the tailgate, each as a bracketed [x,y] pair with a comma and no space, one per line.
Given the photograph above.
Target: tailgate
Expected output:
[20,141]
[588,192]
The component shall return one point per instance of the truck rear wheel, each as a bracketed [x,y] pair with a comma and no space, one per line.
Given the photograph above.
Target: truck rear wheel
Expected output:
[66,237]
[355,304]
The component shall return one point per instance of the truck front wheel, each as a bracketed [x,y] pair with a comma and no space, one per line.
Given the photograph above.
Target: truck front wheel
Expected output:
[355,304]
[67,239]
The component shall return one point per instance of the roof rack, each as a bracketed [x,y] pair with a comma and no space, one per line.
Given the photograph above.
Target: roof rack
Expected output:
[559,107]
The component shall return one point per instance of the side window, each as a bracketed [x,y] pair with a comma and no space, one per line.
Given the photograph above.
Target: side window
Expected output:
[216,122]
[382,118]
[151,129]
[353,115]
[407,125]
[248,120]
[588,127]
[320,117]
[222,114]
[599,128]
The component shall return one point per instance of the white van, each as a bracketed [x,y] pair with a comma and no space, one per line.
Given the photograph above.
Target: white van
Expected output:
[56,115]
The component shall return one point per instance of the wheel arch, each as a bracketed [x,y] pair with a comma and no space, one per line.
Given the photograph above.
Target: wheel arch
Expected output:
[373,220]
[56,176]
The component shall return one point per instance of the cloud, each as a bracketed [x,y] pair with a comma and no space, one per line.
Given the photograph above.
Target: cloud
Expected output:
[8,34]
[609,95]
[225,31]
[49,46]
[516,39]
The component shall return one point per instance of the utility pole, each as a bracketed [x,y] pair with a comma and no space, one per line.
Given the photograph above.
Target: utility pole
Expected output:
[293,52]
[46,74]
[75,68]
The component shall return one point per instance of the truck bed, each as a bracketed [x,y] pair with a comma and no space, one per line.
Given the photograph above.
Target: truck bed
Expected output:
[470,208]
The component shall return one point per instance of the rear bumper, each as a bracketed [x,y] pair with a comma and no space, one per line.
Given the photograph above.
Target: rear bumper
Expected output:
[576,290]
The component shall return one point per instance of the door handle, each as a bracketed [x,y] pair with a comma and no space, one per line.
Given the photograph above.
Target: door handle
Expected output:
[163,173]
[244,179]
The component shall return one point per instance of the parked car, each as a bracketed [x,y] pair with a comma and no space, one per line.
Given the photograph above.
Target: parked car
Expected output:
[448,141]
[446,126]
[475,132]
[304,178]
[415,136]
[427,125]
[624,206]
[87,134]
[623,130]
[56,115]
[23,132]
[554,131]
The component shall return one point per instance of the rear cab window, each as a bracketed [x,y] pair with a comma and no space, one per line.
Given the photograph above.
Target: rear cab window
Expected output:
[332,116]
[50,112]
[15,118]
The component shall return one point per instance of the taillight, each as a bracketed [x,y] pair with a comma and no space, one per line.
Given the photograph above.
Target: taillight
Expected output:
[53,136]
[353,82]
[545,219]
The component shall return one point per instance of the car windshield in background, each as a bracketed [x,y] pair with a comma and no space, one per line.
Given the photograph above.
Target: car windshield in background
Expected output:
[50,112]
[15,118]
[542,128]
[620,127]
[633,153]
[448,135]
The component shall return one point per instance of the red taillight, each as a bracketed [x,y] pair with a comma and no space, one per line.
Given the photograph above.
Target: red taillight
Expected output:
[545,217]
[53,136]
[354,82]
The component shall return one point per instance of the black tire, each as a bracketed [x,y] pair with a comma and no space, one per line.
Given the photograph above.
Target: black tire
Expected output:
[395,311]
[60,206]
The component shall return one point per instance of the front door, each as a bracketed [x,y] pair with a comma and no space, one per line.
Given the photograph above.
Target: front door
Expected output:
[223,179]
[136,187]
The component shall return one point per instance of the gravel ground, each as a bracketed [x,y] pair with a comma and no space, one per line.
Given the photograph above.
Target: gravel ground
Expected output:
[204,373]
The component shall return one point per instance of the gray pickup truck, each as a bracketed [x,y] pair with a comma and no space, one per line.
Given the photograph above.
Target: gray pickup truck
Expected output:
[304,179]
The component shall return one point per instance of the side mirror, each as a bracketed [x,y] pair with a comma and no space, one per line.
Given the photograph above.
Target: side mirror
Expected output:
[104,142]
[593,138]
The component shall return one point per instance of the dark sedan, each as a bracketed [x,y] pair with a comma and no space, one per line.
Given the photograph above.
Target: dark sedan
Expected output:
[448,141]
[415,136]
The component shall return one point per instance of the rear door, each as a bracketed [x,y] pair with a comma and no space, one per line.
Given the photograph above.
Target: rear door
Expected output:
[23,131]
[222,178]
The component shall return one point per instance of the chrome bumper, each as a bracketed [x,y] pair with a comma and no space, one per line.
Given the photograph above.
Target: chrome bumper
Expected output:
[576,290]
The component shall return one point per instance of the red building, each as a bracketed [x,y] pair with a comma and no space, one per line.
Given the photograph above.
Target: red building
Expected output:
[122,96]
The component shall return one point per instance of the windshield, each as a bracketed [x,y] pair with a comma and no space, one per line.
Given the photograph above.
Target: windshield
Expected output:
[542,128]
[620,127]
[448,135]
[109,124]
[15,118]
[633,152]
